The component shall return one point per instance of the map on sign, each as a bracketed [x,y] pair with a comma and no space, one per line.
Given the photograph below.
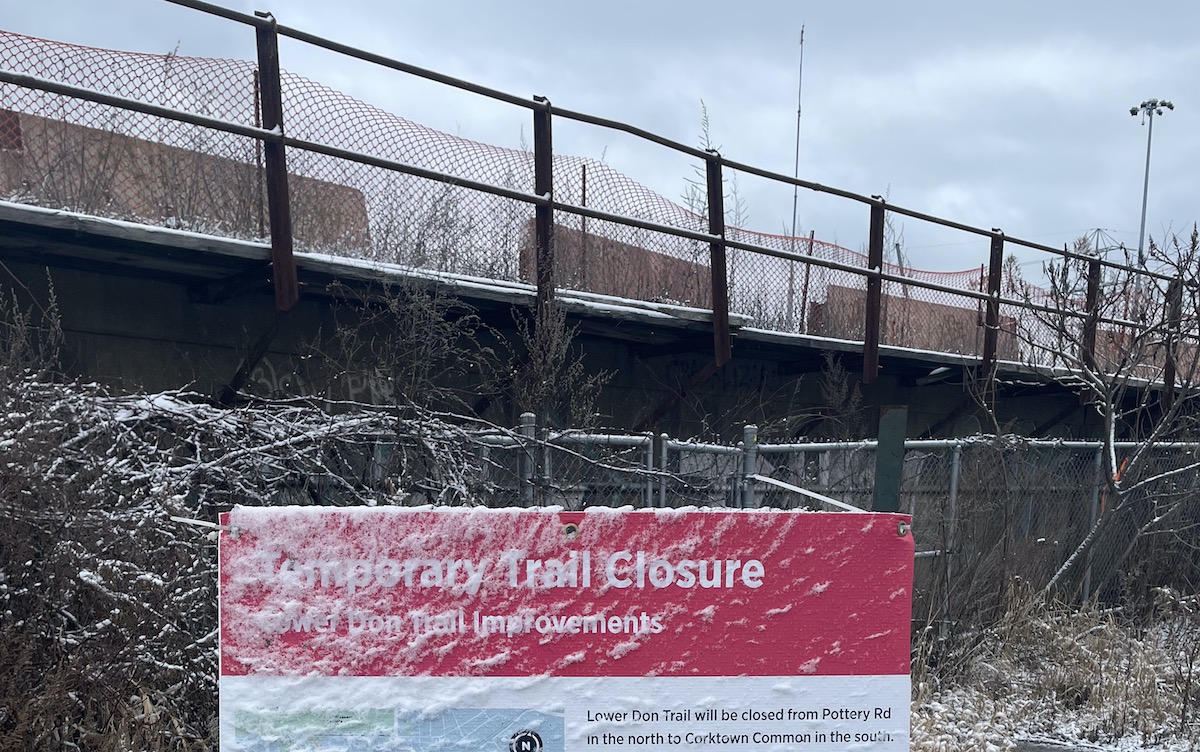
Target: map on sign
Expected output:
[383,730]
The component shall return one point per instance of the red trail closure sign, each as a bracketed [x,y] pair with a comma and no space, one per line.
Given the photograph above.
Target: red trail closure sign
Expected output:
[537,630]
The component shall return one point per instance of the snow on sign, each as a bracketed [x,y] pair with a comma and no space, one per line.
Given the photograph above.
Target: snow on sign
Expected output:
[537,630]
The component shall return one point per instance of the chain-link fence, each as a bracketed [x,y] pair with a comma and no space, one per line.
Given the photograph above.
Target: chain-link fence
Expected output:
[988,513]
[446,209]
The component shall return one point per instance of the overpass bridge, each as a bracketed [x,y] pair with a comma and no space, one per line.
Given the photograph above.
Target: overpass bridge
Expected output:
[196,233]
[159,309]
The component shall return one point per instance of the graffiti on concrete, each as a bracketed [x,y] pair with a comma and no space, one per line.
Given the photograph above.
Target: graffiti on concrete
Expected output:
[289,378]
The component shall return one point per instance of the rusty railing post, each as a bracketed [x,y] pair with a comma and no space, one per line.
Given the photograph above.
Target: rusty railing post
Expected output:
[804,320]
[1174,323]
[543,225]
[1087,344]
[991,320]
[722,340]
[283,262]
[874,303]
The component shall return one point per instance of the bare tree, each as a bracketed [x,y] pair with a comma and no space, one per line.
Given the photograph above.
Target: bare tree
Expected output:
[695,195]
[1124,338]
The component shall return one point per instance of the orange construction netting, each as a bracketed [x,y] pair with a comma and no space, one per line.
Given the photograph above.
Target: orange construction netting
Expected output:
[74,154]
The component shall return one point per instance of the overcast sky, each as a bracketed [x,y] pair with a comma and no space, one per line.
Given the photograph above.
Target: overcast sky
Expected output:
[1011,115]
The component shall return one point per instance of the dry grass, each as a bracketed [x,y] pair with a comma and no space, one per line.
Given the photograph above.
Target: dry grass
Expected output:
[1075,675]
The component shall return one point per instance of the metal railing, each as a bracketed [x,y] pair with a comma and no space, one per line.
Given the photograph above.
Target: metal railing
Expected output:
[584,216]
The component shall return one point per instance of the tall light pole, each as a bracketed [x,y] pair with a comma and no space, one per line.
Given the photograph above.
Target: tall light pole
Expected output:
[1147,109]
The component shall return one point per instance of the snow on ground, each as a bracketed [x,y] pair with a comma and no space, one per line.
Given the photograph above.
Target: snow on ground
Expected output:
[1061,678]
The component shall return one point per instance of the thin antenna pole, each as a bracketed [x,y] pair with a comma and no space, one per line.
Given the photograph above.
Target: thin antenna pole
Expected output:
[799,103]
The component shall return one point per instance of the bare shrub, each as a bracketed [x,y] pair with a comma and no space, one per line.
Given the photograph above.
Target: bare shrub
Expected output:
[407,345]
[108,635]
[550,378]
[30,337]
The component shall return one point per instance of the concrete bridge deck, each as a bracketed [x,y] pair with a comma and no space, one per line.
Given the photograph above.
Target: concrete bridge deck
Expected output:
[146,307]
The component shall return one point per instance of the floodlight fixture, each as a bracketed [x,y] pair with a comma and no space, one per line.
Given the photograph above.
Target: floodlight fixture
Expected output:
[1148,109]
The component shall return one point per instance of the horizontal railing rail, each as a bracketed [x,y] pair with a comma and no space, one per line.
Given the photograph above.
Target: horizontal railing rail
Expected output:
[875,301]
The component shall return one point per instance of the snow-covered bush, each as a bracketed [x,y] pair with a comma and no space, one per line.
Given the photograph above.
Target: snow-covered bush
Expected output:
[107,604]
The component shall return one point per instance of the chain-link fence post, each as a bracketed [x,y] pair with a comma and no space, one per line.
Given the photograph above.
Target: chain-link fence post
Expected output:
[1097,483]
[547,479]
[749,465]
[528,432]
[949,523]
[648,493]
[664,444]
